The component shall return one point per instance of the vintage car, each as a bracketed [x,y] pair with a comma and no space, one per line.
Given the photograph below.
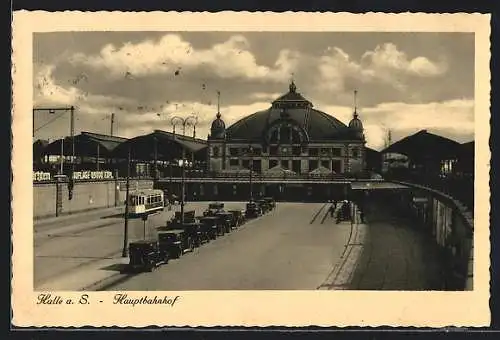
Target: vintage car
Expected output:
[210,225]
[252,210]
[264,206]
[227,220]
[270,201]
[146,255]
[195,231]
[174,242]
[239,216]
[214,208]
[189,217]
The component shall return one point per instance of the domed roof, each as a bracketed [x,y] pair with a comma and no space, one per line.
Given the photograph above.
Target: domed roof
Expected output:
[218,123]
[291,106]
[355,123]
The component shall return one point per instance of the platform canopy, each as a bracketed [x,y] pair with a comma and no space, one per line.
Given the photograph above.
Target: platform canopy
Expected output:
[375,185]
[87,144]
[424,145]
[162,146]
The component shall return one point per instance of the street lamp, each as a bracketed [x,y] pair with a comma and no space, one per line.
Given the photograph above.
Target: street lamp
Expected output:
[191,120]
[53,110]
[127,189]
[183,163]
[250,152]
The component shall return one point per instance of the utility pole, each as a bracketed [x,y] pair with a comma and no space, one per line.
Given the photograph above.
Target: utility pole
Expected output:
[127,189]
[112,122]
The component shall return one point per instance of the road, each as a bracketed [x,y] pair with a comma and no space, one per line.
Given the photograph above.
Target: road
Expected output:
[396,254]
[63,247]
[294,247]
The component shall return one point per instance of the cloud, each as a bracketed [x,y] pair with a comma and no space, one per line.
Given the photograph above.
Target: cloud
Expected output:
[449,118]
[385,64]
[387,57]
[173,55]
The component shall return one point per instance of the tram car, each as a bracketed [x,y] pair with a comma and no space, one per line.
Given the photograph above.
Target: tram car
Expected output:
[146,202]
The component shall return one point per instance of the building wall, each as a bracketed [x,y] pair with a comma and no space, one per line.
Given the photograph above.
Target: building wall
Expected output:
[86,196]
[351,157]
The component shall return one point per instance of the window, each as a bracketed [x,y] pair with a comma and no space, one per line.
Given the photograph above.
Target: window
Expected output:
[216,151]
[285,164]
[285,150]
[296,166]
[285,136]
[295,137]
[313,164]
[355,153]
[325,164]
[336,152]
[234,162]
[257,151]
[325,151]
[233,151]
[336,165]
[272,163]
[296,151]
[313,151]
[273,150]
[246,164]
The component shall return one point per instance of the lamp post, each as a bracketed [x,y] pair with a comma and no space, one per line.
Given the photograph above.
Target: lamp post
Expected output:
[250,152]
[53,110]
[127,189]
[191,120]
[183,163]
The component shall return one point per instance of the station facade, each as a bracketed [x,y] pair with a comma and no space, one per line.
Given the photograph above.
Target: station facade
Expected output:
[291,136]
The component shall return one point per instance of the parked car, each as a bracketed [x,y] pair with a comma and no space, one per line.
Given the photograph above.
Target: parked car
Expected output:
[189,217]
[175,242]
[270,201]
[252,210]
[194,231]
[146,255]
[264,206]
[209,225]
[226,218]
[213,209]
[239,216]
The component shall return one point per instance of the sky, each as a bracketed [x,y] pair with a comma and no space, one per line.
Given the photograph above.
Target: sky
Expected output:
[406,82]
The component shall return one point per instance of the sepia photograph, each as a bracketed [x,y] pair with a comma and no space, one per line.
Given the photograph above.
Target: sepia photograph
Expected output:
[253,160]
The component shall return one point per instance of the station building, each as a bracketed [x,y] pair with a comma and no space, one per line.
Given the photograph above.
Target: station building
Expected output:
[292,137]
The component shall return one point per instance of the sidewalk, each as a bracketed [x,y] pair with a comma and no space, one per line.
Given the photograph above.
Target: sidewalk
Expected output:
[88,277]
[94,213]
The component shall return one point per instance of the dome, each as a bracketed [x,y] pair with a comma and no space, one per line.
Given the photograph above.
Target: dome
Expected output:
[355,123]
[294,108]
[218,128]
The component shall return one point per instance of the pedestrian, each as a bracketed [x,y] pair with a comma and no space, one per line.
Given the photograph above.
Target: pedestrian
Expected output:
[361,215]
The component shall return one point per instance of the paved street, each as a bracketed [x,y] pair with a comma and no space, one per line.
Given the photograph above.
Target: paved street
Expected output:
[65,246]
[294,247]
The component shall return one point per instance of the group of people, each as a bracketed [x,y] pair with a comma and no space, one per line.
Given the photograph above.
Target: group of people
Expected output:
[345,211]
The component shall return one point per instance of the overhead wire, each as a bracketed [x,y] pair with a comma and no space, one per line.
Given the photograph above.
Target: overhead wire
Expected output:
[50,121]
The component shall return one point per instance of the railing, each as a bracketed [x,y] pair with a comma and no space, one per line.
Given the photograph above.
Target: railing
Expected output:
[460,188]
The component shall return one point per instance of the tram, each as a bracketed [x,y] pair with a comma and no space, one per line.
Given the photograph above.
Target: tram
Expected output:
[146,201]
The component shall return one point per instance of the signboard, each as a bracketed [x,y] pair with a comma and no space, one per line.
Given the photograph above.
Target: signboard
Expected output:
[39,176]
[82,175]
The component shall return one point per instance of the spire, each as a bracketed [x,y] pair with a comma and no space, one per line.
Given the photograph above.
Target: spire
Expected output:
[355,105]
[218,104]
[292,86]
